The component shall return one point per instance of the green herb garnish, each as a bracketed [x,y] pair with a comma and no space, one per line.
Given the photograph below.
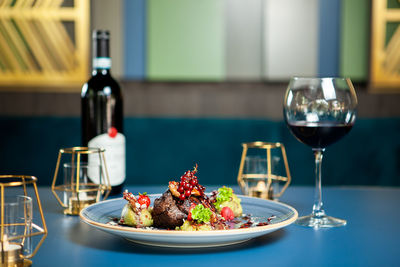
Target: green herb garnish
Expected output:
[201,214]
[224,194]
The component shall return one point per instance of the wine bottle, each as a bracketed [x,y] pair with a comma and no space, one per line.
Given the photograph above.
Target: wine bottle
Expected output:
[102,113]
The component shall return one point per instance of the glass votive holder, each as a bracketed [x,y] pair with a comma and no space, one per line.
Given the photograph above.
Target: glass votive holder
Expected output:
[88,193]
[85,178]
[260,171]
[255,177]
[17,221]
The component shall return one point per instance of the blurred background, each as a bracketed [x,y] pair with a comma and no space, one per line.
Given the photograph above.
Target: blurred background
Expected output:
[199,78]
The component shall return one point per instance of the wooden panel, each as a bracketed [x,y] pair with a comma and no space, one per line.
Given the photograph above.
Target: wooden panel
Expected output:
[354,43]
[385,52]
[291,38]
[185,40]
[190,100]
[108,15]
[243,39]
[43,44]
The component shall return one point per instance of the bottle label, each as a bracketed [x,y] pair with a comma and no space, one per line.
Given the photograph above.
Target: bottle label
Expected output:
[114,145]
[101,63]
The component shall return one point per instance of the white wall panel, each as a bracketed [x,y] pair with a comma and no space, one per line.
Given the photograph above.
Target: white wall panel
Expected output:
[291,38]
[243,39]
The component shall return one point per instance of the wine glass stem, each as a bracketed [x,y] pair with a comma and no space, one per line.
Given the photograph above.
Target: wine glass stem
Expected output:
[317,208]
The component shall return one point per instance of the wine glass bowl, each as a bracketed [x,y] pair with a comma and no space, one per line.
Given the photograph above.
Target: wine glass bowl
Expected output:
[319,112]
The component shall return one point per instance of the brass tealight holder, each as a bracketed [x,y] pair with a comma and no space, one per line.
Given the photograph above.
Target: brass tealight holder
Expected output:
[86,179]
[17,221]
[256,173]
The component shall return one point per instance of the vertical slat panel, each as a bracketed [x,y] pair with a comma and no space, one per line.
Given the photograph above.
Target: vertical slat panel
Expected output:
[291,38]
[135,39]
[243,39]
[329,38]
[108,15]
[354,43]
[186,40]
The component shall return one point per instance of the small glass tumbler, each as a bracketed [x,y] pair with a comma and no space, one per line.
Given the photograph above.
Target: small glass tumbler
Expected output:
[18,218]
[255,177]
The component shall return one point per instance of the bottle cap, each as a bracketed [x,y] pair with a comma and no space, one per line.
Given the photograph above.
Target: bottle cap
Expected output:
[101,34]
[101,53]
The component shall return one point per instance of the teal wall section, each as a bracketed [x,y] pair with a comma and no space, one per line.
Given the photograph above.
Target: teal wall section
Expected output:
[29,146]
[161,149]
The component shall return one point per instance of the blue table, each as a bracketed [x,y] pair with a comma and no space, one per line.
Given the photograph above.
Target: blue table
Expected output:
[371,237]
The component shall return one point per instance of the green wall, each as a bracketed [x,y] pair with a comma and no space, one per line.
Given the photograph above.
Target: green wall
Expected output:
[185,40]
[354,39]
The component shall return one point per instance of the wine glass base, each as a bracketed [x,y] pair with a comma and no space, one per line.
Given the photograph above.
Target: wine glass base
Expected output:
[320,221]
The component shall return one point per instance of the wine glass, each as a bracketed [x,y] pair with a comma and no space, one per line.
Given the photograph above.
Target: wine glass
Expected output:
[318,112]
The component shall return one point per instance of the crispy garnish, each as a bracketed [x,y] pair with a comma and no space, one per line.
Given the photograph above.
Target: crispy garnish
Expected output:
[131,199]
[196,192]
[173,187]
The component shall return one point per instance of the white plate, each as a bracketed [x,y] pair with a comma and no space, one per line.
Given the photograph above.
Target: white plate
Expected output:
[100,214]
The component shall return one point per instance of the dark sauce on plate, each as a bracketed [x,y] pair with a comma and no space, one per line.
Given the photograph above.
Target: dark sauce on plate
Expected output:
[245,221]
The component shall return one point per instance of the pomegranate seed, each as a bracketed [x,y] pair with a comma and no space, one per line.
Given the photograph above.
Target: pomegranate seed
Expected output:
[182,196]
[188,193]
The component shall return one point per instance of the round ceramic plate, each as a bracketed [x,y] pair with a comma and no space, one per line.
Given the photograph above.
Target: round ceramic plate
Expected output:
[100,215]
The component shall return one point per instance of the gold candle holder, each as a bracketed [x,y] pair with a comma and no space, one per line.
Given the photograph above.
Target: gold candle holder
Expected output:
[86,179]
[17,226]
[258,180]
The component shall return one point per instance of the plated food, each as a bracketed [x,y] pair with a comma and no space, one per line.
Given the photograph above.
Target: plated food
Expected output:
[105,216]
[185,206]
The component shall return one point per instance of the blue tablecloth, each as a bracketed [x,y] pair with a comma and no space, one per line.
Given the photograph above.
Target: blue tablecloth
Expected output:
[371,237]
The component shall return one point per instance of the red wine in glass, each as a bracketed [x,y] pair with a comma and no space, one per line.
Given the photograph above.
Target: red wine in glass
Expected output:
[319,135]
